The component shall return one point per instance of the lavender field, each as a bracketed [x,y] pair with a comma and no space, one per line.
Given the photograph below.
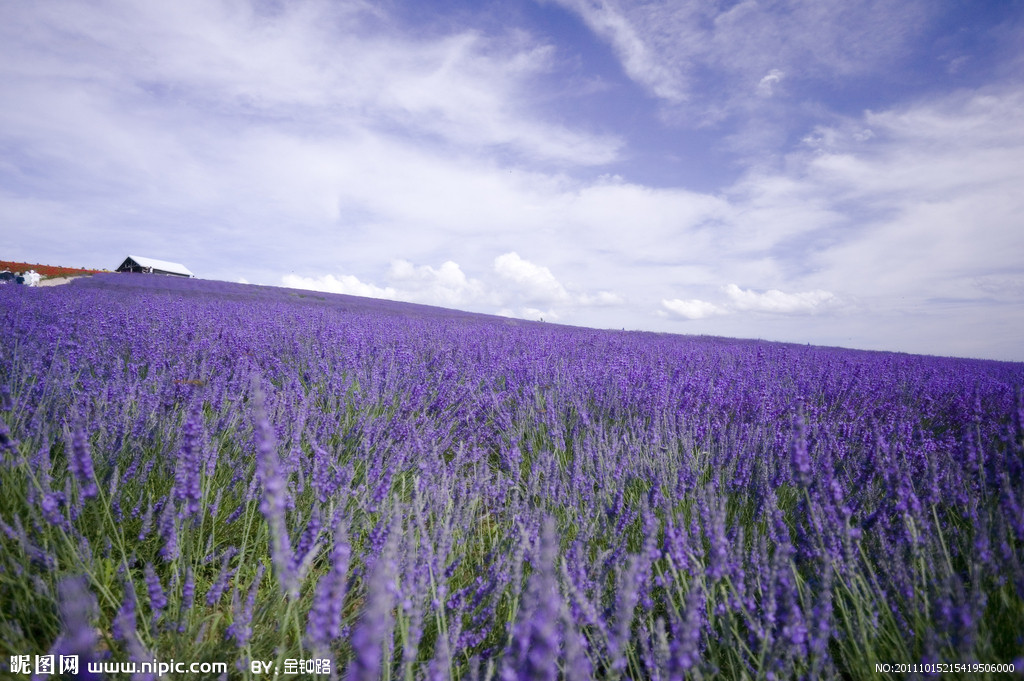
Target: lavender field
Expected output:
[224,473]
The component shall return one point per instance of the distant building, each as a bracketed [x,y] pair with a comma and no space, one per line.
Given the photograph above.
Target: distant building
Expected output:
[136,263]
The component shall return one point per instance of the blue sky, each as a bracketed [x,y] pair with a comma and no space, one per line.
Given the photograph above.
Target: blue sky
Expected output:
[827,172]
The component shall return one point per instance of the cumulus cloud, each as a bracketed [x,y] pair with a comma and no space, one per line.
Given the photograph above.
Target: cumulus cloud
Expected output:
[776,301]
[347,284]
[772,301]
[445,286]
[527,281]
[533,282]
[515,287]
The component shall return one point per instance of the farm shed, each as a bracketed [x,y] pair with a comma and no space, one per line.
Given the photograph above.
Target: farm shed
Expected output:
[136,263]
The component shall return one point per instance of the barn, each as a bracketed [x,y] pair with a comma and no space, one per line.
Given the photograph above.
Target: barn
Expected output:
[136,263]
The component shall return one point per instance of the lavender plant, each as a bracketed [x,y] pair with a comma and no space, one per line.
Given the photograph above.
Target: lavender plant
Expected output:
[215,472]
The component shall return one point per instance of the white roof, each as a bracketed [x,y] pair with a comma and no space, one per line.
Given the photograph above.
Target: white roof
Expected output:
[164,265]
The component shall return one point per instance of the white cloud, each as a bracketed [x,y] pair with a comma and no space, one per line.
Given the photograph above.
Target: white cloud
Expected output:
[600,299]
[766,86]
[329,66]
[640,59]
[664,45]
[515,287]
[884,225]
[447,286]
[741,300]
[347,284]
[460,91]
[531,313]
[692,309]
[933,197]
[534,282]
[776,301]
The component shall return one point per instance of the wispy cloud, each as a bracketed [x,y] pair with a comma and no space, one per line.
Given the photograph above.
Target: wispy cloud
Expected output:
[714,56]
[931,195]
[767,85]
[315,67]
[895,215]
[637,48]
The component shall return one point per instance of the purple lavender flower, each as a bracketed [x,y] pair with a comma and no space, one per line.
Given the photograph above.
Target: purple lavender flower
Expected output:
[684,651]
[625,605]
[309,544]
[537,638]
[188,590]
[274,504]
[147,522]
[216,591]
[373,631]
[187,479]
[157,597]
[324,624]
[712,512]
[51,506]
[123,626]
[7,443]
[821,619]
[80,464]
[240,628]
[169,534]
[325,478]
[799,457]
[78,611]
